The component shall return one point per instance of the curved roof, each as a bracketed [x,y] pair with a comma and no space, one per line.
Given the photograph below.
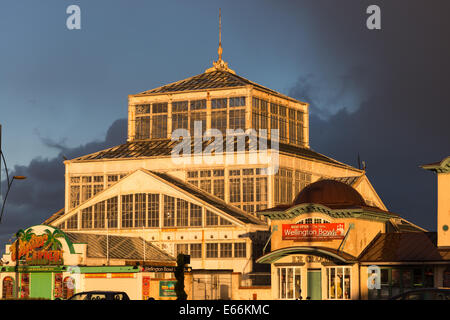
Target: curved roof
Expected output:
[330,193]
[332,254]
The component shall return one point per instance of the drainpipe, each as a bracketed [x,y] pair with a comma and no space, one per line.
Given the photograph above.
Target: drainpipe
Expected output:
[341,246]
[274,228]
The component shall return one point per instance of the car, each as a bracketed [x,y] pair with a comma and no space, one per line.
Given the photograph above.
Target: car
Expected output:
[424,294]
[100,295]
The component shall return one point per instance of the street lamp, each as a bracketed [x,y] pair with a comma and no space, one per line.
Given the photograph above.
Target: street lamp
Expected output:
[9,181]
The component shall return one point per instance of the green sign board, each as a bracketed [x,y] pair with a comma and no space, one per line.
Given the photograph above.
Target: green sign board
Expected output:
[167,289]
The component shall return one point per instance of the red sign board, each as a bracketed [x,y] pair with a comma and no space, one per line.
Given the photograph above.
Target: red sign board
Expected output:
[313,231]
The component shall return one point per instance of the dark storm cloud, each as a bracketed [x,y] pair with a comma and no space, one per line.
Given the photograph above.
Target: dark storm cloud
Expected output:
[33,200]
[401,119]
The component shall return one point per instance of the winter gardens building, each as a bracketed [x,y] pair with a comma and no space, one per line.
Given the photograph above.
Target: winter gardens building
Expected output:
[227,196]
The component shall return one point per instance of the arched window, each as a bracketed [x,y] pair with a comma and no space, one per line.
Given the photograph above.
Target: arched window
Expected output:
[68,287]
[8,288]
[313,220]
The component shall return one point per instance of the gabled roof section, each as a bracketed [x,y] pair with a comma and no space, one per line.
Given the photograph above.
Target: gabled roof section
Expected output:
[211,80]
[54,216]
[209,198]
[119,247]
[347,180]
[402,247]
[184,187]
[160,148]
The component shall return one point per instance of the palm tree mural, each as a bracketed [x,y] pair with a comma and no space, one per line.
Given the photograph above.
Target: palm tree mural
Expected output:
[52,241]
[21,237]
[27,235]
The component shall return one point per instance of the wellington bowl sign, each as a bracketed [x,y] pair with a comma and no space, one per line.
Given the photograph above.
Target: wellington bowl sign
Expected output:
[313,231]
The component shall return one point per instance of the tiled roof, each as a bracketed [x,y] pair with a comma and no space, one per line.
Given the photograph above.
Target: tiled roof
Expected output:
[348,180]
[163,147]
[210,199]
[120,247]
[402,247]
[210,80]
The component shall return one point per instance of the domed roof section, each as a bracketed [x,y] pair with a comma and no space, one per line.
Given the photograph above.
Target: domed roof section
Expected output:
[330,193]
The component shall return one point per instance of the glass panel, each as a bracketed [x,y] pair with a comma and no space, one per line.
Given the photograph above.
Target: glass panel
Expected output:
[290,283]
[297,283]
[283,283]
[347,284]
[333,283]
[153,210]
[339,283]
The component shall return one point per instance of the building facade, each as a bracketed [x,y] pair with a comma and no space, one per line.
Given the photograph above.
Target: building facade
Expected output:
[328,244]
[203,156]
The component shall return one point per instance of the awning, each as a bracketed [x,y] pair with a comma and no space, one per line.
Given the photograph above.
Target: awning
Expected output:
[332,254]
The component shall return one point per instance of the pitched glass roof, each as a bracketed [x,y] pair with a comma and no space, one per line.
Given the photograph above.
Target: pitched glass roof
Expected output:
[210,80]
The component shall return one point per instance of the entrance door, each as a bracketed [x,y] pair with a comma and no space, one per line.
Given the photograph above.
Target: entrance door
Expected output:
[41,285]
[314,284]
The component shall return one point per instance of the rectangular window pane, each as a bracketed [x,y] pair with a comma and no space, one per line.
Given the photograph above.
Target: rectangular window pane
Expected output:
[196,215]
[127,211]
[218,103]
[211,219]
[159,126]
[196,250]
[169,211]
[182,213]
[235,190]
[159,107]
[99,215]
[198,119]
[212,250]
[72,222]
[198,104]
[219,121]
[180,106]
[74,196]
[142,108]
[237,119]
[112,212]
[142,127]
[139,209]
[237,102]
[153,210]
[225,250]
[86,218]
[240,250]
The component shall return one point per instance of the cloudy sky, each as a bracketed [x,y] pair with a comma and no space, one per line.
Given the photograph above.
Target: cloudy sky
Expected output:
[381,93]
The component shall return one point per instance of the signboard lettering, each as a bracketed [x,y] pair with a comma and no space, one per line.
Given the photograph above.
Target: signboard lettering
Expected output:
[313,231]
[43,249]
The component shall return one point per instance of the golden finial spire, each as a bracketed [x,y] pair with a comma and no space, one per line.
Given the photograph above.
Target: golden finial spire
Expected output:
[219,50]
[220,65]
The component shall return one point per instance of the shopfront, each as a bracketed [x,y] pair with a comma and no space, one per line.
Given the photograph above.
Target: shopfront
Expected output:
[51,264]
[317,240]
[317,274]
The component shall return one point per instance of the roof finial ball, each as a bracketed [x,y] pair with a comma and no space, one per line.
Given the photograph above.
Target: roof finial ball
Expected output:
[220,65]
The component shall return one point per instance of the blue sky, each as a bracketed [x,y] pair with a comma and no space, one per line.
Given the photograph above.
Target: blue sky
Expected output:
[378,93]
[71,85]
